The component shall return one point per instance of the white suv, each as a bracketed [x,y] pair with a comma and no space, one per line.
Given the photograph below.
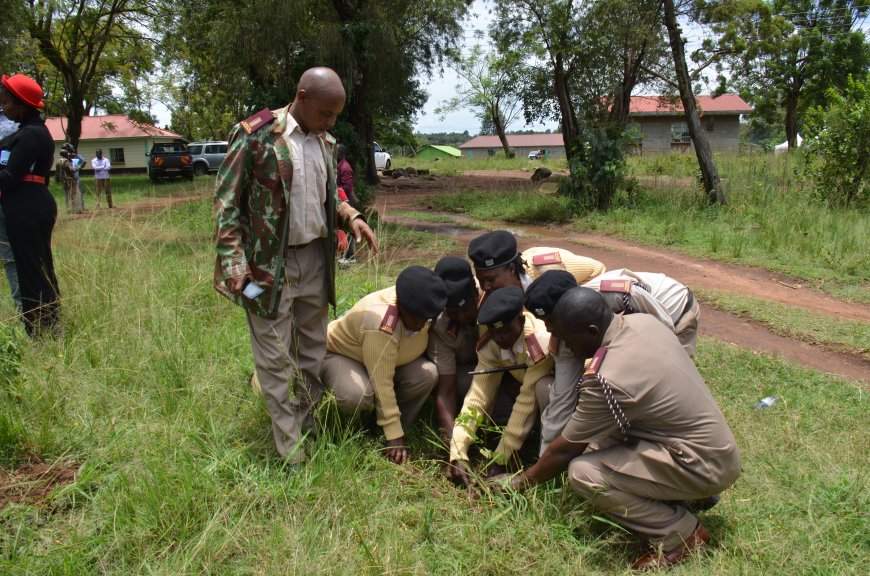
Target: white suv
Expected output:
[207,156]
[382,159]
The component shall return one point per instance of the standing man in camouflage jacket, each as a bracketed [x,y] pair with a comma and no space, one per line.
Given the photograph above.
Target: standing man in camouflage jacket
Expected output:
[275,209]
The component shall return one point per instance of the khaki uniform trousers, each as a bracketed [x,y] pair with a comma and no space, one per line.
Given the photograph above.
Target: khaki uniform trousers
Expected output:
[686,328]
[355,395]
[289,350]
[637,503]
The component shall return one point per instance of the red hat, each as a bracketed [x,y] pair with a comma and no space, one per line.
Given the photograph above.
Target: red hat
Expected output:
[25,89]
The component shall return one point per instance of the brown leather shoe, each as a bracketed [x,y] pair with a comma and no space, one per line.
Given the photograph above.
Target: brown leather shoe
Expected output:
[653,560]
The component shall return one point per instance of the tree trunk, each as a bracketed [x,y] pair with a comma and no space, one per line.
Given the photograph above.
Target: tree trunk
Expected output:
[499,129]
[621,101]
[709,174]
[569,119]
[74,115]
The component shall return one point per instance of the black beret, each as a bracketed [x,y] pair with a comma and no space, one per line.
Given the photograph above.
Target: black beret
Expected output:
[421,292]
[458,279]
[493,249]
[543,293]
[501,306]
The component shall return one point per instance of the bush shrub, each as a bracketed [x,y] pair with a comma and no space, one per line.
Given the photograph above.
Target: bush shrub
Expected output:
[837,145]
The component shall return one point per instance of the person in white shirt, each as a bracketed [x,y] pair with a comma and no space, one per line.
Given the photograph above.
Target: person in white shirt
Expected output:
[102,182]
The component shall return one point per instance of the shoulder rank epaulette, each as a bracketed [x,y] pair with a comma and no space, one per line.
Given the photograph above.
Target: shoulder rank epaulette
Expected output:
[257,121]
[595,363]
[391,318]
[536,353]
[481,342]
[622,286]
[546,259]
[553,348]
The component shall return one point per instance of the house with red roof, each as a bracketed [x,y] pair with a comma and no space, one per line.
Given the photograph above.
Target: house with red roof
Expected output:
[123,140]
[657,122]
[486,146]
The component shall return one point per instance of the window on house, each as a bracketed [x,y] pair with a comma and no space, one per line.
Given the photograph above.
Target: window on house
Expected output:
[709,125]
[116,155]
[680,133]
[491,152]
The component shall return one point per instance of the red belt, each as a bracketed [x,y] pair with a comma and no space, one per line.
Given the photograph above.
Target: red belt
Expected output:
[33,178]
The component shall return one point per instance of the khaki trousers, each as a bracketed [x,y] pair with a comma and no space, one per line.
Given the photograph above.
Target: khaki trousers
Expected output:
[639,503]
[686,328]
[103,185]
[289,350]
[355,395]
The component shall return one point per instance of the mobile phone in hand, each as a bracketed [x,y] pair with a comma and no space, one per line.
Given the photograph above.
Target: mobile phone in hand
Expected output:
[252,290]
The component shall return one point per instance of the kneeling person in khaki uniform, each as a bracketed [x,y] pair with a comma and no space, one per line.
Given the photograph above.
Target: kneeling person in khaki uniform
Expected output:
[453,339]
[653,293]
[375,355]
[514,349]
[657,442]
[497,262]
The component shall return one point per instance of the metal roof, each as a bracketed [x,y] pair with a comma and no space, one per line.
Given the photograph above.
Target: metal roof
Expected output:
[111,126]
[672,106]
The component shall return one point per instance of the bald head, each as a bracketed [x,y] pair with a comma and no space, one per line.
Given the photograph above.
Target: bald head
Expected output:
[319,100]
[580,319]
[321,82]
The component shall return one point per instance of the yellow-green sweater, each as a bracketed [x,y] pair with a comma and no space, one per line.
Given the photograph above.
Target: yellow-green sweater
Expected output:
[484,389]
[360,335]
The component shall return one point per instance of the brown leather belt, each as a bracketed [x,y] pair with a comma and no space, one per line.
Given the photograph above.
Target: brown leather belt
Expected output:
[298,246]
[33,178]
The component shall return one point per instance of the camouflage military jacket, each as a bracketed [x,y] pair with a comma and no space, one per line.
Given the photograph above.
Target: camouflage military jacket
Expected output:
[250,205]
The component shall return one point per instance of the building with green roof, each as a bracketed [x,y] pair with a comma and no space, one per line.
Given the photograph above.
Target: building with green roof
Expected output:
[431,152]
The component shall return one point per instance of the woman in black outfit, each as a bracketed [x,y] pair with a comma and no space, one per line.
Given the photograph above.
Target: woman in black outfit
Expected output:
[25,162]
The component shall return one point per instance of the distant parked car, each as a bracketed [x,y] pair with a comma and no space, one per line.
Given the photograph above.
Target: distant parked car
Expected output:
[537,154]
[207,156]
[382,159]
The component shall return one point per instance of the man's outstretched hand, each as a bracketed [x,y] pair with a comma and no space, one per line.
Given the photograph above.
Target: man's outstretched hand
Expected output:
[457,471]
[397,452]
[360,230]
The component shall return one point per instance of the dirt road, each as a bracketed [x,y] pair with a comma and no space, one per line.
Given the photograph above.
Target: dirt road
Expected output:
[396,196]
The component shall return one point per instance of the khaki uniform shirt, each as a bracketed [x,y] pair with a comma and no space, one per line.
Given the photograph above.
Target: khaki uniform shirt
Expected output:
[308,189]
[666,402]
[451,344]
[540,259]
[373,334]
[640,298]
[531,350]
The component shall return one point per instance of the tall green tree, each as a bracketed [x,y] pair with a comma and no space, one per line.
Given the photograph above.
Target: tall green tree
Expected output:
[85,41]
[784,55]
[703,152]
[489,86]
[257,49]
[587,57]
[837,145]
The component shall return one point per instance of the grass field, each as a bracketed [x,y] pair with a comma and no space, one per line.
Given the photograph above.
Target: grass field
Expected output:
[147,397]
